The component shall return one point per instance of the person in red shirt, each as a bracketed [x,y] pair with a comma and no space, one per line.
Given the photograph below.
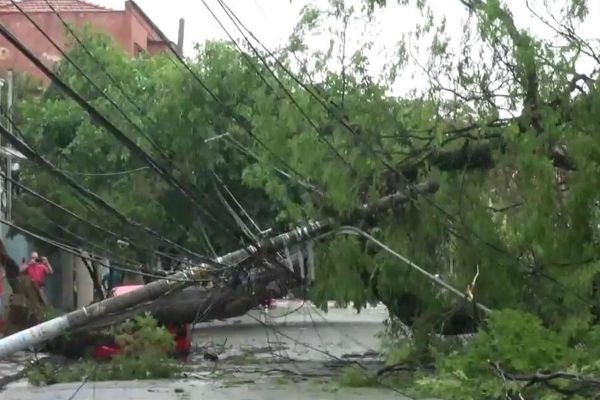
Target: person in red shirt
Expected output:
[37,269]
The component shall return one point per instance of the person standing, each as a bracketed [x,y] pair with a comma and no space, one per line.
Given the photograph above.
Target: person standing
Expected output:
[37,269]
[112,278]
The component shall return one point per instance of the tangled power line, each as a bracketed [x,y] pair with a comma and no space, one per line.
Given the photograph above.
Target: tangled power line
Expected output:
[182,187]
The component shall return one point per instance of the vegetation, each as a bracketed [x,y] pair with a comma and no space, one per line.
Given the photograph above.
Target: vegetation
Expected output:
[146,355]
[506,123]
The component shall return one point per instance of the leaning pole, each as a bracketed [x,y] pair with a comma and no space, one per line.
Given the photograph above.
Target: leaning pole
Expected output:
[55,327]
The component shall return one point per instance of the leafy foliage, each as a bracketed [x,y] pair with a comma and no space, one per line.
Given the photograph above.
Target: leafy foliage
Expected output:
[504,120]
[146,355]
[484,369]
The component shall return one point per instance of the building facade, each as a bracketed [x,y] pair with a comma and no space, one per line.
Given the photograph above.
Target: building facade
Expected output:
[130,27]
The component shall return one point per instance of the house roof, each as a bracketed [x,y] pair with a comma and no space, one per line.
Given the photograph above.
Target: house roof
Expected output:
[59,5]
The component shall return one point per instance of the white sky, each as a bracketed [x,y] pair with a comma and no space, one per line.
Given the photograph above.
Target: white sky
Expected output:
[272,21]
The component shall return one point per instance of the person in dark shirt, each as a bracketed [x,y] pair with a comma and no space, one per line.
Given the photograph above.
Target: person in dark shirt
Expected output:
[112,279]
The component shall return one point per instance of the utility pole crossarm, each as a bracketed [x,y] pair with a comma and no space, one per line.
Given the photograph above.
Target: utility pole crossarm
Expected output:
[55,327]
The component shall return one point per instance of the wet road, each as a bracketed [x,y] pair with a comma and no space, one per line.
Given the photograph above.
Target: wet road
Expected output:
[293,351]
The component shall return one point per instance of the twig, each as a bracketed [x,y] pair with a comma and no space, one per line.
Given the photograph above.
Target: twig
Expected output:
[288,371]
[544,378]
[403,367]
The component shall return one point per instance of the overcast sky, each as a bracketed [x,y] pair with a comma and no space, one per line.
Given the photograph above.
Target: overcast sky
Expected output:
[272,21]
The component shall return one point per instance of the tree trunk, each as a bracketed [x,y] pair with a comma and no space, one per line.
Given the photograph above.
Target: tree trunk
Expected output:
[195,304]
[92,269]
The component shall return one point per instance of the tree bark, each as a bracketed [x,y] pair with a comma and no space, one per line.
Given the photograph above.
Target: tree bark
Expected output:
[193,304]
[92,269]
[478,156]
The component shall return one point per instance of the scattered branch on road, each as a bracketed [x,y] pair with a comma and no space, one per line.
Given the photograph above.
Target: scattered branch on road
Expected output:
[403,367]
[576,383]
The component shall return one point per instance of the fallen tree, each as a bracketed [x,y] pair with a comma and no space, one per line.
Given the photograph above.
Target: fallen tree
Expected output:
[195,304]
[223,299]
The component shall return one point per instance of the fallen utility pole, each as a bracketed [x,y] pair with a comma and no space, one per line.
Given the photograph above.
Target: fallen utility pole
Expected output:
[55,327]
[196,304]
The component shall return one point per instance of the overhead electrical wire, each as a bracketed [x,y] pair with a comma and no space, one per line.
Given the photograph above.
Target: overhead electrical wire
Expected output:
[302,111]
[127,97]
[99,249]
[83,74]
[240,120]
[241,27]
[237,203]
[93,197]
[237,219]
[95,114]
[110,174]
[77,252]
[118,237]
[342,120]
[132,146]
[347,125]
[121,90]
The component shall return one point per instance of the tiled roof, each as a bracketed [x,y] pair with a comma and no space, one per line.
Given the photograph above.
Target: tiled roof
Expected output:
[59,5]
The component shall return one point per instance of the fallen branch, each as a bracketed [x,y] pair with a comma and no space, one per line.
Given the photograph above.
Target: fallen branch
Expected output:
[401,367]
[477,156]
[585,383]
[545,377]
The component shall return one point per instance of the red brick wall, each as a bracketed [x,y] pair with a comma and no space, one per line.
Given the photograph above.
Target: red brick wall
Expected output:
[118,24]
[144,33]
[157,48]
[139,35]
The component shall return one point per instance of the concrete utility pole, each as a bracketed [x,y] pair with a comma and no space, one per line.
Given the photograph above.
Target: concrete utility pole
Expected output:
[55,327]
[9,162]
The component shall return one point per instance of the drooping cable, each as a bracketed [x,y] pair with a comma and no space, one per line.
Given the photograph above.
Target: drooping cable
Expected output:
[291,97]
[240,120]
[93,197]
[78,253]
[85,76]
[96,115]
[119,238]
[102,93]
[237,203]
[344,121]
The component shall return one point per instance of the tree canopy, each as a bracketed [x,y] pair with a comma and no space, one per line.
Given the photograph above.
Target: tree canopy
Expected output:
[506,124]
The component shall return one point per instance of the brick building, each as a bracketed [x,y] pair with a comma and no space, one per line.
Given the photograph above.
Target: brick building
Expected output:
[130,27]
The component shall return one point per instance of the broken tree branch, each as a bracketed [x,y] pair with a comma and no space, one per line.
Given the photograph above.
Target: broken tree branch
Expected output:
[203,273]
